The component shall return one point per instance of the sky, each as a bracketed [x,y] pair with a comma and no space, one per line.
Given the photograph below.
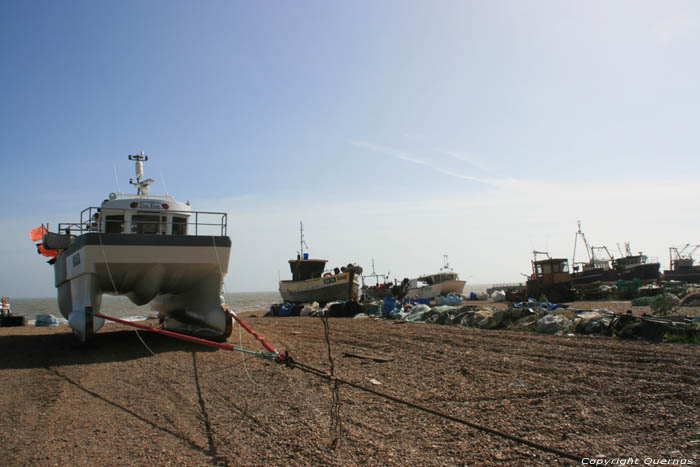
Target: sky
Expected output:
[397,131]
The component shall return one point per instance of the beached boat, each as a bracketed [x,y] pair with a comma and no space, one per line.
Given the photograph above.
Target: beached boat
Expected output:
[597,269]
[311,283]
[378,290]
[151,249]
[550,277]
[6,317]
[433,285]
[630,266]
[6,309]
[682,267]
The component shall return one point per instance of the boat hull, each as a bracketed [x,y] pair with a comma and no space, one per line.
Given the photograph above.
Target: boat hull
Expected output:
[180,276]
[646,271]
[338,287]
[441,288]
[686,275]
[593,276]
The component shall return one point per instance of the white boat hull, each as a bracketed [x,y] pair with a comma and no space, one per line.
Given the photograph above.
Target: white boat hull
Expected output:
[180,276]
[441,288]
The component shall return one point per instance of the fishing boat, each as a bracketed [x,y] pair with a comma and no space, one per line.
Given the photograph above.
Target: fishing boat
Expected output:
[550,277]
[312,283]
[433,285]
[6,316]
[597,269]
[378,290]
[682,267]
[629,266]
[151,249]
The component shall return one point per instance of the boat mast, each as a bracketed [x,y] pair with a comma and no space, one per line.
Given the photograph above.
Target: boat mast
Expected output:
[589,251]
[141,186]
[446,265]
[302,243]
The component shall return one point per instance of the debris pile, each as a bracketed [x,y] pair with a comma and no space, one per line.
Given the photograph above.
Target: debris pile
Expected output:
[541,317]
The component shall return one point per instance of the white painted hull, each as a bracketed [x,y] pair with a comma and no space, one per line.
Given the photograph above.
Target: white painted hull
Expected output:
[442,288]
[181,277]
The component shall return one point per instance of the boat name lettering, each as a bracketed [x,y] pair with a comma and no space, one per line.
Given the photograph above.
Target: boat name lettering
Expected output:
[76,259]
[150,205]
[329,280]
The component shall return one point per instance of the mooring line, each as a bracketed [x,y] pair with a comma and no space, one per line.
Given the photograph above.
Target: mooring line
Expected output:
[320,373]
[336,429]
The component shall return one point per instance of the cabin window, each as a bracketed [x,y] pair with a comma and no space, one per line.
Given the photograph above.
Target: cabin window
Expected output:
[114,224]
[179,226]
[148,224]
[547,268]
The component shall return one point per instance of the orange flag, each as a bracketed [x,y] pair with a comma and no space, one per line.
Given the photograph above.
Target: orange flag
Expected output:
[38,233]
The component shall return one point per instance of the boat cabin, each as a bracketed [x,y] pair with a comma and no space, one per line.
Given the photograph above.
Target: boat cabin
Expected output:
[597,264]
[551,271]
[682,264]
[154,215]
[303,269]
[432,279]
[144,214]
[630,261]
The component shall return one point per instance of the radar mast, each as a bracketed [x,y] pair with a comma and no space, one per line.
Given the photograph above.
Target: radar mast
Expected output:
[142,187]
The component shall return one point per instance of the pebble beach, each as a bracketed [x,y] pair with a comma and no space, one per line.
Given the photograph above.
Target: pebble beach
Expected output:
[138,398]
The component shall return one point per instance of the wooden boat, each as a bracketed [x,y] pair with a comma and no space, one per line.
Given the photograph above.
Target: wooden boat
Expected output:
[311,283]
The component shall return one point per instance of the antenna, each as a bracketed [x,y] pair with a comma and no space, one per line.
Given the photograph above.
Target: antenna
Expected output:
[302,243]
[116,179]
[164,185]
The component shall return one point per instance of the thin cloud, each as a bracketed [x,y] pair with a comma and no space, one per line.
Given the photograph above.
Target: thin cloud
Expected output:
[466,177]
[466,158]
[402,155]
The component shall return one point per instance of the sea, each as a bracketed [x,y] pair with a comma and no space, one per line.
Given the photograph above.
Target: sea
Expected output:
[121,307]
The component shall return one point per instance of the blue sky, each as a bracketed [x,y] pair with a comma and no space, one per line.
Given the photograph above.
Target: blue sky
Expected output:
[396,130]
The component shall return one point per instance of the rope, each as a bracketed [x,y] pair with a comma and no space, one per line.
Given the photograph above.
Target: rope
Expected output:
[532,444]
[223,284]
[336,428]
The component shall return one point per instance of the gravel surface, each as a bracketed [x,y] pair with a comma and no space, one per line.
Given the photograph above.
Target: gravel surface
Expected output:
[113,402]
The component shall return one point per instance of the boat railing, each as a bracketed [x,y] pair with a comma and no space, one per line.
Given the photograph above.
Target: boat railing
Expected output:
[197,222]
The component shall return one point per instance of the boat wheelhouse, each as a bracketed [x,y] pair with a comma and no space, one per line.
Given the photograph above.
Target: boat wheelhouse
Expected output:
[551,277]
